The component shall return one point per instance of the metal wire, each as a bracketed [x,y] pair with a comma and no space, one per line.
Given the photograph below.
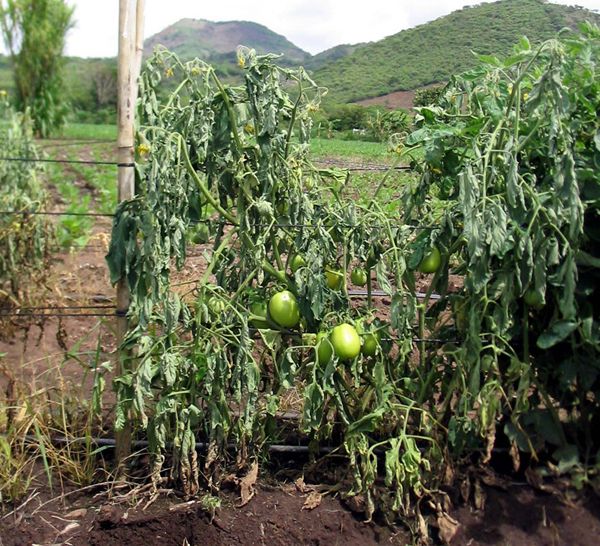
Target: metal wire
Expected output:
[72,142]
[58,308]
[382,294]
[55,213]
[299,226]
[54,315]
[75,161]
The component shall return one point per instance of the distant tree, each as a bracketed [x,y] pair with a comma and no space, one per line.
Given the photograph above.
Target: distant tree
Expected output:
[427,95]
[382,124]
[104,78]
[34,32]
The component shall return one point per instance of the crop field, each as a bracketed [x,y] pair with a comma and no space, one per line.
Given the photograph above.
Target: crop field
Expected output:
[327,341]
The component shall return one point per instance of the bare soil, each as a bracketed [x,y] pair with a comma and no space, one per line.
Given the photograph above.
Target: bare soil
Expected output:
[397,99]
[277,516]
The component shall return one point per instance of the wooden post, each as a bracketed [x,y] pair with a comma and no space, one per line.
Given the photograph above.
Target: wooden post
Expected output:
[131,16]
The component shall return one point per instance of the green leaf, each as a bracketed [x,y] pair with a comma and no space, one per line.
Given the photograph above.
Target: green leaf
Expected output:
[567,458]
[366,423]
[558,331]
[489,59]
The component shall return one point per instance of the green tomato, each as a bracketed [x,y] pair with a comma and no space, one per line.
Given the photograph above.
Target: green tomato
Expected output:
[259,308]
[324,349]
[358,277]
[284,310]
[345,341]
[431,261]
[201,235]
[334,278]
[216,305]
[296,263]
[370,344]
[533,299]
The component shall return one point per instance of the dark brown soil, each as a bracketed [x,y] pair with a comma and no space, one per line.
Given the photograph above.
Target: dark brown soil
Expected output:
[275,516]
[521,516]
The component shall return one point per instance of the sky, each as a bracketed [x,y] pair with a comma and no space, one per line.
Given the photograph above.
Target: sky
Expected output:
[312,25]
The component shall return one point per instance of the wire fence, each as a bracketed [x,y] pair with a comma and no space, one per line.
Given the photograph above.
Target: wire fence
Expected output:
[55,213]
[118,313]
[289,225]
[74,142]
[101,311]
[66,161]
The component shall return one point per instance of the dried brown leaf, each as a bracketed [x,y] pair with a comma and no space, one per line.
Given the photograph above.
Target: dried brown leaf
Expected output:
[448,527]
[300,485]
[491,441]
[312,501]
[515,455]
[479,496]
[247,484]
[77,514]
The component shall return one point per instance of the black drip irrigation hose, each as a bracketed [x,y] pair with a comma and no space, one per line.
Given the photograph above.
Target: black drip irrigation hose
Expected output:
[200,446]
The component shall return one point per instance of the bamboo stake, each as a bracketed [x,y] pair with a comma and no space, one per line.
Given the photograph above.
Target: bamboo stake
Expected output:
[131,14]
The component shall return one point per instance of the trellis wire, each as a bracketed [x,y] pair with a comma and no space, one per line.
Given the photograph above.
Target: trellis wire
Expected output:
[75,161]
[201,221]
[59,315]
[54,213]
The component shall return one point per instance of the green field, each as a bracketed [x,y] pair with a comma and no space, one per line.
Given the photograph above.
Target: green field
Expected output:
[320,147]
[350,149]
[88,131]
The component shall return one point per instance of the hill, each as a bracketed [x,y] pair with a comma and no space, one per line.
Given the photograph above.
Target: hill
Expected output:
[434,51]
[218,42]
[332,54]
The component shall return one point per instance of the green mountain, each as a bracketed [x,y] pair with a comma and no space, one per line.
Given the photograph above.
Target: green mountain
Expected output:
[329,55]
[434,51]
[217,42]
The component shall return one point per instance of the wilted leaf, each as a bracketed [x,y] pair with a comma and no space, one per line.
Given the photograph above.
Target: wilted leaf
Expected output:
[558,332]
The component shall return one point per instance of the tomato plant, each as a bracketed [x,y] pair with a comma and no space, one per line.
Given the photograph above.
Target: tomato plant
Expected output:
[25,239]
[506,192]
[509,151]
